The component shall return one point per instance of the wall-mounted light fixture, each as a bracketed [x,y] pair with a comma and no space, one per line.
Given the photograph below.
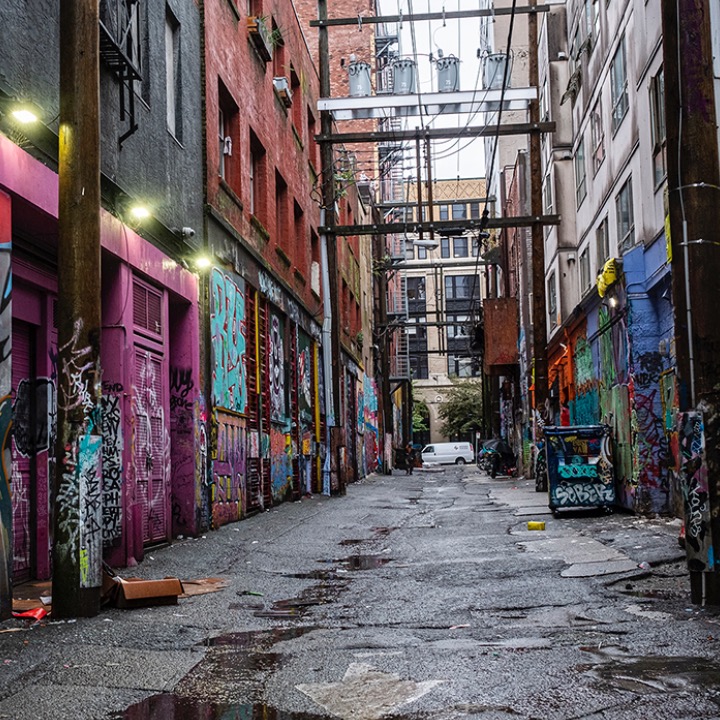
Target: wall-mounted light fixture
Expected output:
[139,212]
[24,112]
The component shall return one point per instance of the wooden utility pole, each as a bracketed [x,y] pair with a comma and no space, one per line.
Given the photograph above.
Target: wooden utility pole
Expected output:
[77,541]
[539,318]
[694,212]
[328,201]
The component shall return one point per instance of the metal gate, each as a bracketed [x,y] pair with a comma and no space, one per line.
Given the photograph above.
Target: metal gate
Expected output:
[23,447]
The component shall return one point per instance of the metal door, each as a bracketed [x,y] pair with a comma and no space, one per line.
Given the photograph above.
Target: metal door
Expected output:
[23,447]
[151,456]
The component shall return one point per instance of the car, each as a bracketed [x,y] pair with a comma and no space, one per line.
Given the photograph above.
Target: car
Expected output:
[448,453]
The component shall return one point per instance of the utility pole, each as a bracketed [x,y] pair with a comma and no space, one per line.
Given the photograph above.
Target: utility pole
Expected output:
[539,319]
[693,176]
[77,541]
[330,241]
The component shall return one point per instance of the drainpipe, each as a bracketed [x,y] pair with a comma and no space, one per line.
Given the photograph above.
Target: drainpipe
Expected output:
[327,353]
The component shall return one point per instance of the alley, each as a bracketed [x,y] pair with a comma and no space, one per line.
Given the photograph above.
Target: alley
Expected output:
[421,596]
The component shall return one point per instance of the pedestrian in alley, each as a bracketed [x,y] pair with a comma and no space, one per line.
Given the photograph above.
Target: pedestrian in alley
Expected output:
[409,458]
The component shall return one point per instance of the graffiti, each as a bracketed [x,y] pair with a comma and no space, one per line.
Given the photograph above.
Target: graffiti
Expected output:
[21,519]
[269,288]
[577,469]
[181,385]
[694,479]
[304,369]
[76,391]
[29,440]
[229,471]
[277,370]
[582,494]
[281,464]
[90,508]
[112,468]
[182,433]
[5,428]
[227,327]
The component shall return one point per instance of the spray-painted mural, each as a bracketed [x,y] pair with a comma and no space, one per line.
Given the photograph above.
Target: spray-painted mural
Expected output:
[371,434]
[227,327]
[694,480]
[80,535]
[278,403]
[5,423]
[585,406]
[182,436]
[281,463]
[112,462]
[228,491]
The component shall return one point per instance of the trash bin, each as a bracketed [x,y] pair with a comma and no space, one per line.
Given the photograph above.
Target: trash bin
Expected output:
[579,467]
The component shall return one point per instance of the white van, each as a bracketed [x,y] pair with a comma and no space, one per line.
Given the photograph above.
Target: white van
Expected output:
[448,453]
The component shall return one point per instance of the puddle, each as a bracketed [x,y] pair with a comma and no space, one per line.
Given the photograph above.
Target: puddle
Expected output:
[365,562]
[294,607]
[659,674]
[173,707]
[351,541]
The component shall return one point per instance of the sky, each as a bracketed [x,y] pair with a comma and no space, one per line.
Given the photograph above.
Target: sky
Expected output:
[460,38]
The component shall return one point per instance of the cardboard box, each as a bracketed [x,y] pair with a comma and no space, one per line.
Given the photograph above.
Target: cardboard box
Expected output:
[134,592]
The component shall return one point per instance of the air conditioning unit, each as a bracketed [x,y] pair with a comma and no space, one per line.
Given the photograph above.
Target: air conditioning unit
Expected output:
[260,37]
[282,88]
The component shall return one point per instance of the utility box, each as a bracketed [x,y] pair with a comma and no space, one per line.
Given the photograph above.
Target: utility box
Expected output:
[359,76]
[448,74]
[494,71]
[579,467]
[404,77]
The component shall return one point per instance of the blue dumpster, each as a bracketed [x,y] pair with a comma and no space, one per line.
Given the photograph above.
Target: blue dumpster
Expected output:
[579,467]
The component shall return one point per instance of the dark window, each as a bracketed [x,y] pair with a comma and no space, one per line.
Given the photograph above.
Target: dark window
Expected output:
[445,247]
[460,247]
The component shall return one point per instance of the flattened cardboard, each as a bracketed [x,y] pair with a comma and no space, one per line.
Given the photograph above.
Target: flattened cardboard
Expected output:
[135,592]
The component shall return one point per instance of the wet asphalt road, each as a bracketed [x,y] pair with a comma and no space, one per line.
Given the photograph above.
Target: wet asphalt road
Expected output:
[412,597]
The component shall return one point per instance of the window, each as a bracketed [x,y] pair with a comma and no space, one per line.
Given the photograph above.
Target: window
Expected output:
[422,253]
[462,287]
[580,184]
[659,136]
[625,219]
[228,153]
[552,299]
[457,326]
[597,136]
[475,246]
[172,75]
[459,212]
[257,180]
[444,247]
[602,239]
[297,105]
[444,212]
[311,143]
[416,288]
[619,86]
[460,247]
[463,366]
[299,225]
[584,270]
[544,107]
[475,211]
[547,193]
[281,211]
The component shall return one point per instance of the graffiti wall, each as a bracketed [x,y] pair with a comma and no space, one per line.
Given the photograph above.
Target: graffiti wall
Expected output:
[228,491]
[585,408]
[281,471]
[371,434]
[694,481]
[5,409]
[278,400]
[112,463]
[182,437]
[228,333]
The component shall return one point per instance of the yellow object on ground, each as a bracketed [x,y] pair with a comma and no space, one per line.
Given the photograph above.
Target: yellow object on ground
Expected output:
[536,525]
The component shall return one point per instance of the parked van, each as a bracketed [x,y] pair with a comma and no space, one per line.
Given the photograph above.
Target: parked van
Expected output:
[448,453]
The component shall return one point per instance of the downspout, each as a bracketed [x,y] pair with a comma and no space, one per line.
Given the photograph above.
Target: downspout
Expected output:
[327,352]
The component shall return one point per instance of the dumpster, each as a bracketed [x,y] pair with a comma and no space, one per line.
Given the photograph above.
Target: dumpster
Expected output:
[579,467]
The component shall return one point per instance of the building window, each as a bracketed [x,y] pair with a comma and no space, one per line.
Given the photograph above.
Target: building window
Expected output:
[552,300]
[311,142]
[416,288]
[444,212]
[459,211]
[544,107]
[659,135]
[444,247]
[459,366]
[584,271]
[597,136]
[457,326]
[422,253]
[462,287]
[602,238]
[475,211]
[172,75]
[281,211]
[257,180]
[419,367]
[297,105]
[625,219]
[580,184]
[475,246]
[460,247]
[228,128]
[619,86]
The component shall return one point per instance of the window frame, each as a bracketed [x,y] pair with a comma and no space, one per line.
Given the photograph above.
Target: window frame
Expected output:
[552,299]
[619,86]
[625,235]
[580,181]
[658,126]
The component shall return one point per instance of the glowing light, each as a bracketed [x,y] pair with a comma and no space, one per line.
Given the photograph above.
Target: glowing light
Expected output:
[202,262]
[25,116]
[139,212]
